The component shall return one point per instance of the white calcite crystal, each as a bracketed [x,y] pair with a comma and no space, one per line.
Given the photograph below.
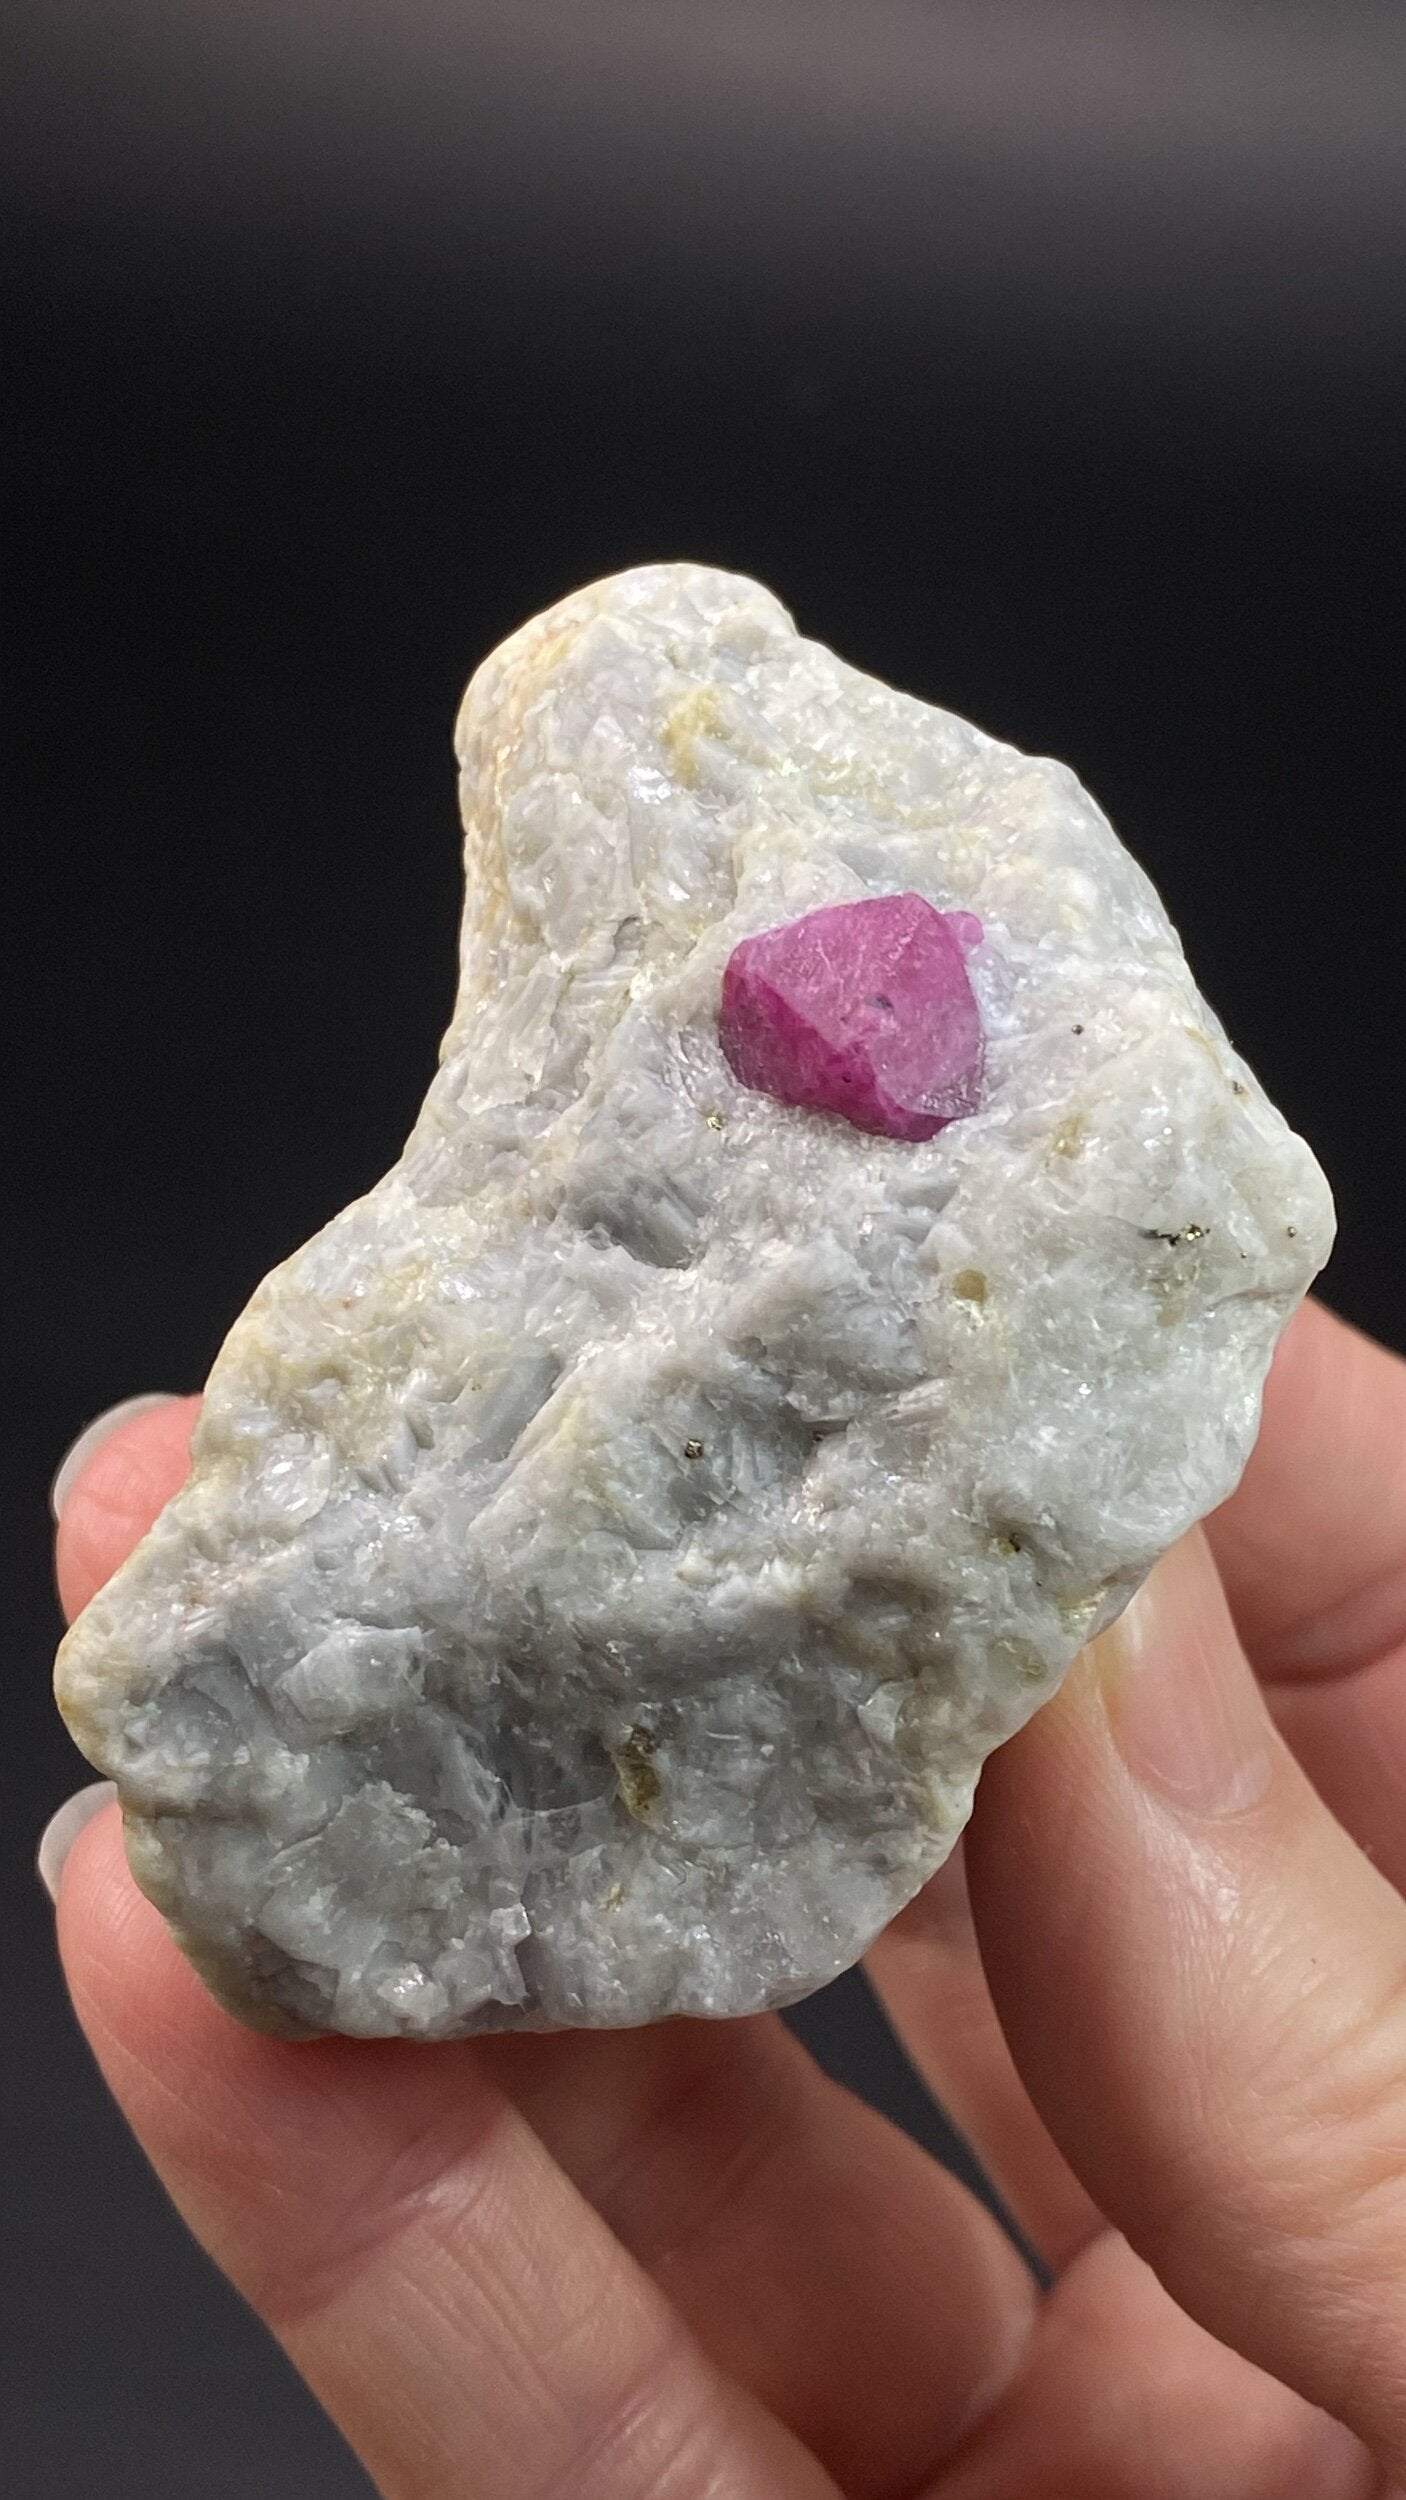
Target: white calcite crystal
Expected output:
[614,1544]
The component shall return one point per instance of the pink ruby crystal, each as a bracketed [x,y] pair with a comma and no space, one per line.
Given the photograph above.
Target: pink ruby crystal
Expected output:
[863,1009]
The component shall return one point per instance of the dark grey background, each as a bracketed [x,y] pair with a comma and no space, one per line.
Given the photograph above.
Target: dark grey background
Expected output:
[1047,359]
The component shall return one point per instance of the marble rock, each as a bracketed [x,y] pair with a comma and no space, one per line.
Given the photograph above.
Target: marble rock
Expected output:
[614,1543]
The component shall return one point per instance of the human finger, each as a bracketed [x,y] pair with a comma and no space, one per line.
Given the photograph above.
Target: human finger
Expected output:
[1312,1549]
[1124,2397]
[819,2255]
[1312,1544]
[107,1496]
[465,2318]
[794,2229]
[927,1972]
[1202,1981]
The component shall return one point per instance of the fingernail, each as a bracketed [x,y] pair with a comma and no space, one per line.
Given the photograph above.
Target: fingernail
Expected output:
[1183,1706]
[92,1437]
[63,1828]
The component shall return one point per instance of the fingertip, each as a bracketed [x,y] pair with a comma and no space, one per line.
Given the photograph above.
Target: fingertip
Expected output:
[117,1493]
[188,2077]
[118,1957]
[125,1977]
[62,1830]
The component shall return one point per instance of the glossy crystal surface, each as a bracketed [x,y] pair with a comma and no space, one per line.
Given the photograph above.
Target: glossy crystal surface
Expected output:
[862,1009]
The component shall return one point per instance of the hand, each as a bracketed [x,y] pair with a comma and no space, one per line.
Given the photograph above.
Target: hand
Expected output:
[681,2263]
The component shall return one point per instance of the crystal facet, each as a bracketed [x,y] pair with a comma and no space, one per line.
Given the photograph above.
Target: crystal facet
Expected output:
[615,1542]
[863,1009]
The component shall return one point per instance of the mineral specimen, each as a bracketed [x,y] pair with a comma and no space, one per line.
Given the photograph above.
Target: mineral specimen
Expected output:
[614,1543]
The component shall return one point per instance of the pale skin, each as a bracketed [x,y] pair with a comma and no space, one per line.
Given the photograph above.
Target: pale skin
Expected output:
[1165,2001]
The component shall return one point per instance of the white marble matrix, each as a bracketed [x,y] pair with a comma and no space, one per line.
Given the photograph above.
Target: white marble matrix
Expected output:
[614,1543]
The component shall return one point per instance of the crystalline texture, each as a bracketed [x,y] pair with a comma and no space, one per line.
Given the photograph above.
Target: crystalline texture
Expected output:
[863,1009]
[613,1544]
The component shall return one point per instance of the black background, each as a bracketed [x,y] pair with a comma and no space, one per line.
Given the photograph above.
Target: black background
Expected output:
[1046,359]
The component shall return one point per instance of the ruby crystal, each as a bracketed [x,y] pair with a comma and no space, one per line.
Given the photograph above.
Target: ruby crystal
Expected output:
[863,1009]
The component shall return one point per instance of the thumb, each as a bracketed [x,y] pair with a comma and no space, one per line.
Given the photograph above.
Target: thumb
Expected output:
[1204,1984]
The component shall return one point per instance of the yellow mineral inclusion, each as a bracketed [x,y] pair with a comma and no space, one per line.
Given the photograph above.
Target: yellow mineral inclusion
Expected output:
[697,714]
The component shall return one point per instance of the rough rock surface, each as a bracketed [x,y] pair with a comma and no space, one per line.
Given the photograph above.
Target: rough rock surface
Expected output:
[615,1542]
